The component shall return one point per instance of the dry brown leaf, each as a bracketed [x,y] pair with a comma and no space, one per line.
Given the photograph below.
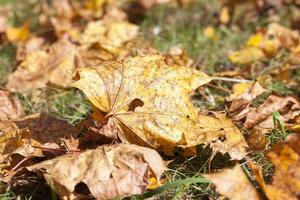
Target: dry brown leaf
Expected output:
[286,181]
[33,44]
[285,106]
[29,136]
[14,140]
[150,101]
[10,107]
[108,172]
[221,133]
[109,35]
[242,98]
[40,67]
[259,120]
[98,134]
[234,184]
[178,56]
[288,38]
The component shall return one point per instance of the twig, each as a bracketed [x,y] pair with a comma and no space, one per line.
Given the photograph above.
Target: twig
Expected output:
[17,165]
[231,79]
[53,149]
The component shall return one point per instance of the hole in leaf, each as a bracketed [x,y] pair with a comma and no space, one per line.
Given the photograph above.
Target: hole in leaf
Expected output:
[222,138]
[134,104]
[82,188]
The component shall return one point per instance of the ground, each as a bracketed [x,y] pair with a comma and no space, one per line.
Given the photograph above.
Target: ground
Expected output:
[167,26]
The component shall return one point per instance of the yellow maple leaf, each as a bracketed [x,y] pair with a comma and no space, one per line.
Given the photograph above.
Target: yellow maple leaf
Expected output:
[150,101]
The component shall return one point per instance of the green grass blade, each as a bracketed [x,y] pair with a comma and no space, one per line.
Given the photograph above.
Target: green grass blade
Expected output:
[174,184]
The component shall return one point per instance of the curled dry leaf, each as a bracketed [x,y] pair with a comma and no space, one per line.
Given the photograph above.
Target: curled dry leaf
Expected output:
[242,97]
[289,108]
[28,136]
[286,181]
[10,107]
[108,172]
[260,120]
[150,101]
[97,133]
[234,184]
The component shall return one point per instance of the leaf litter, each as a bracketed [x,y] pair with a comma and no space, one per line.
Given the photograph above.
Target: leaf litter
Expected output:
[142,107]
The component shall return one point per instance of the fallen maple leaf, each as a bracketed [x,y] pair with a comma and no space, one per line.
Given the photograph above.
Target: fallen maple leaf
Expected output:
[234,184]
[149,100]
[108,172]
[10,107]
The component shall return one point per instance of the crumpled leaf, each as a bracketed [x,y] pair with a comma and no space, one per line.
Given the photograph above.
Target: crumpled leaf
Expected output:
[10,107]
[108,172]
[221,133]
[40,67]
[289,107]
[286,181]
[149,100]
[97,133]
[242,97]
[234,184]
[260,120]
